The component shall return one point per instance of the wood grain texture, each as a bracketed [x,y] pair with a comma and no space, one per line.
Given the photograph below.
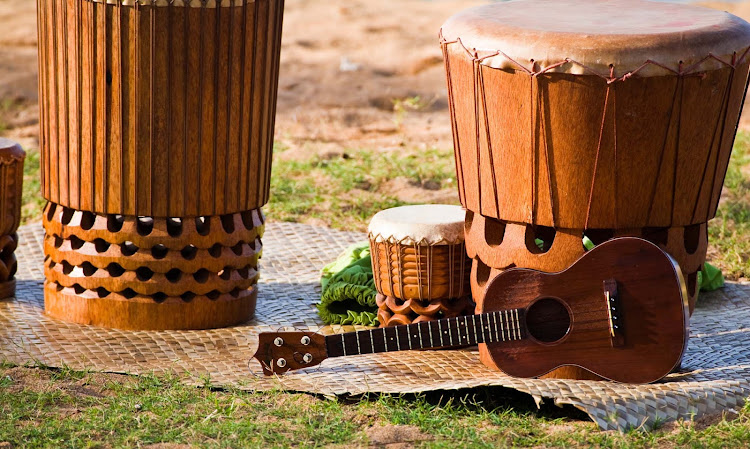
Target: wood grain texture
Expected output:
[113,270]
[578,152]
[8,265]
[11,195]
[146,232]
[11,185]
[396,312]
[158,110]
[495,246]
[618,312]
[652,315]
[144,313]
[421,272]
[147,283]
[102,255]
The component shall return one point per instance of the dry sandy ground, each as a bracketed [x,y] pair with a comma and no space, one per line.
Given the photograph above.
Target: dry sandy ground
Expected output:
[388,51]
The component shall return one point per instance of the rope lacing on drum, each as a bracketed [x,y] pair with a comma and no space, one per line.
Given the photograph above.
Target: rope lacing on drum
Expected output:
[610,78]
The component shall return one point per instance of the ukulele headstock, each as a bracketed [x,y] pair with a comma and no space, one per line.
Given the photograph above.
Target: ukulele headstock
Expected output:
[279,352]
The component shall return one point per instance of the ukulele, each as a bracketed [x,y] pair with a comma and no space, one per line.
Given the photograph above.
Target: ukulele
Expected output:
[619,312]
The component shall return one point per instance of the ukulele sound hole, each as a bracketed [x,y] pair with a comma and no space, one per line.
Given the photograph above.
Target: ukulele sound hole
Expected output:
[548,320]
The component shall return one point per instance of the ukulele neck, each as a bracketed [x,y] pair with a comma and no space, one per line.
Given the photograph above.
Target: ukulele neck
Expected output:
[494,327]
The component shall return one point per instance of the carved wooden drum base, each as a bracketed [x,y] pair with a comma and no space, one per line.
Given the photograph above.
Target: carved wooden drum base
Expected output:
[495,246]
[8,265]
[145,313]
[396,312]
[151,273]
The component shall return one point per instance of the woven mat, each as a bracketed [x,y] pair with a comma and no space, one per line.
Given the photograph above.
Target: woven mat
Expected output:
[715,376]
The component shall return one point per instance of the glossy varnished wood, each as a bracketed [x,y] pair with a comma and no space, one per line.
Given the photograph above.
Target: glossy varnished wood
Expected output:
[495,246]
[158,109]
[619,312]
[653,313]
[420,271]
[203,233]
[88,307]
[151,273]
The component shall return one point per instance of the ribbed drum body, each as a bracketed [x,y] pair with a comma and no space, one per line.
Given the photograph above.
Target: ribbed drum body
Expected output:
[420,271]
[158,109]
[11,185]
[419,281]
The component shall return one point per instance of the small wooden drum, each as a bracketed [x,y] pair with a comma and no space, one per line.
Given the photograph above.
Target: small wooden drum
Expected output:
[419,262]
[601,119]
[11,186]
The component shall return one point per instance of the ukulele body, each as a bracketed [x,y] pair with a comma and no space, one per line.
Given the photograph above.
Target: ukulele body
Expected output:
[570,320]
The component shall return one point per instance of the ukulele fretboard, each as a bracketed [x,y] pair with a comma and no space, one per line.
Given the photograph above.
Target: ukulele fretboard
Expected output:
[494,327]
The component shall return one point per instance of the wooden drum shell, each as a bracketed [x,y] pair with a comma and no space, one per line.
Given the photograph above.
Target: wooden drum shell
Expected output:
[156,108]
[413,271]
[576,152]
[12,159]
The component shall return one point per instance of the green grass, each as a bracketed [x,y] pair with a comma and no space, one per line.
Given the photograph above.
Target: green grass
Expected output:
[346,191]
[33,202]
[41,407]
[64,408]
[729,233]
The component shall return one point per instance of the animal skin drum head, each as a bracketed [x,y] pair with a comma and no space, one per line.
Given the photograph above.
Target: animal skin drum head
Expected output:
[428,224]
[537,34]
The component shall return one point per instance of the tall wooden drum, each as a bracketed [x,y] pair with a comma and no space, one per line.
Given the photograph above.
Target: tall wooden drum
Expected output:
[420,264]
[600,118]
[157,120]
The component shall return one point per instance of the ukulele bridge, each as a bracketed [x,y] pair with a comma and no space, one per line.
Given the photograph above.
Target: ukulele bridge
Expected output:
[616,330]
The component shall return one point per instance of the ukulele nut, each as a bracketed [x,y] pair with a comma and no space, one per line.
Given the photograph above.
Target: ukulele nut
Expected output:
[307,358]
[305,340]
[281,363]
[278,341]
